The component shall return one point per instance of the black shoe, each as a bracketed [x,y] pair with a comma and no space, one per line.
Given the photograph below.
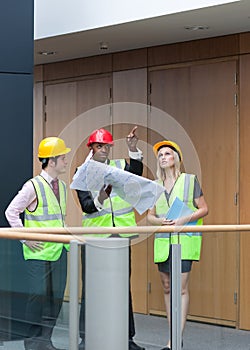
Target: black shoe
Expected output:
[82,345]
[30,344]
[38,344]
[47,346]
[168,348]
[133,346]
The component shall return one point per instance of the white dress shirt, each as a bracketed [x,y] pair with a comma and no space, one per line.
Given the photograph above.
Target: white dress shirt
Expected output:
[26,198]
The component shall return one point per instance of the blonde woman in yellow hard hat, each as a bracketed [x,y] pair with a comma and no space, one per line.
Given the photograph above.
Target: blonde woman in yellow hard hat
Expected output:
[43,201]
[184,189]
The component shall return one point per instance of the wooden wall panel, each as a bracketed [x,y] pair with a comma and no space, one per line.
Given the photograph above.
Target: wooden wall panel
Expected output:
[244,192]
[72,109]
[38,124]
[130,86]
[169,98]
[78,67]
[60,107]
[200,101]
[201,49]
[129,109]
[60,111]
[194,50]
[244,43]
[215,136]
[213,116]
[130,59]
[93,111]
[38,73]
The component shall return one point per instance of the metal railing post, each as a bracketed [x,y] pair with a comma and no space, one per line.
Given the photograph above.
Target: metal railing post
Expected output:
[74,296]
[175,297]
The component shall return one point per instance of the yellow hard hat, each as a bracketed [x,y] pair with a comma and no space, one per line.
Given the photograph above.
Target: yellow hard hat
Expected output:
[52,147]
[167,143]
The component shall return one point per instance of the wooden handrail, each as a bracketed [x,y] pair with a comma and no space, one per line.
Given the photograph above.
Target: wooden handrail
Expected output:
[67,234]
[46,237]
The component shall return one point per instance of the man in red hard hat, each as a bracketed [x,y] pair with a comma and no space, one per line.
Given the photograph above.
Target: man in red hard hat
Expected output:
[107,209]
[100,136]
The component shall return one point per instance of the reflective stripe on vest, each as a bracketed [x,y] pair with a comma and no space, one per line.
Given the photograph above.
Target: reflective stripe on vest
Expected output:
[122,210]
[48,213]
[172,234]
[191,242]
[46,216]
[118,163]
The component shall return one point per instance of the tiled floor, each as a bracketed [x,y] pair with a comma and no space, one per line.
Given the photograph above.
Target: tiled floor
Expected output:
[152,333]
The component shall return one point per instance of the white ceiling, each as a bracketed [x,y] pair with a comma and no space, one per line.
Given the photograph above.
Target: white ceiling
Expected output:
[221,20]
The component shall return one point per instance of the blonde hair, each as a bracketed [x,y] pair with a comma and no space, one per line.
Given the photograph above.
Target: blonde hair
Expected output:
[160,173]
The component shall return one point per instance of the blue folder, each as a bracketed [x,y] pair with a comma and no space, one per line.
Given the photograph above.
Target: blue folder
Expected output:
[179,209]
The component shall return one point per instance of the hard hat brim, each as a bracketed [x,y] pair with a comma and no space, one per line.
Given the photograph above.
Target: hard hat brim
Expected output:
[111,143]
[167,143]
[67,150]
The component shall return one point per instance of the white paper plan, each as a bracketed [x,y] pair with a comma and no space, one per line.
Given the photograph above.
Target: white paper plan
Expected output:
[138,191]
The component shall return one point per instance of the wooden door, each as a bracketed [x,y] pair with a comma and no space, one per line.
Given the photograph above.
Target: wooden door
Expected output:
[201,100]
[215,99]
[169,97]
[244,321]
[73,111]
[130,109]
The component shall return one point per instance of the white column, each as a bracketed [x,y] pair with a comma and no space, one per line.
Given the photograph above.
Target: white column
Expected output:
[107,281]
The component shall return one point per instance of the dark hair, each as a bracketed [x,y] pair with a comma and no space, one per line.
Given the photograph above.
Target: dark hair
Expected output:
[173,148]
[45,161]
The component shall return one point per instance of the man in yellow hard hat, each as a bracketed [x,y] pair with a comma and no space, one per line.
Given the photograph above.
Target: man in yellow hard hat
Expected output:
[43,200]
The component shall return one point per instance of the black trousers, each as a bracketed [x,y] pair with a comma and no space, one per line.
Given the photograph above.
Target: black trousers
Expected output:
[131,328]
[47,281]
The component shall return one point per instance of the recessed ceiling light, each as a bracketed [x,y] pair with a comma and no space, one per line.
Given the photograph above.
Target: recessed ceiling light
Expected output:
[47,53]
[197,27]
[103,45]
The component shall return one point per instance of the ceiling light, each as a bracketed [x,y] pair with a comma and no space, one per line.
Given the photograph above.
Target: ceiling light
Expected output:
[197,27]
[103,45]
[47,53]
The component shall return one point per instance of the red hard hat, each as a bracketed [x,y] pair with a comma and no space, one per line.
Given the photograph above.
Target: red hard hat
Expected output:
[100,136]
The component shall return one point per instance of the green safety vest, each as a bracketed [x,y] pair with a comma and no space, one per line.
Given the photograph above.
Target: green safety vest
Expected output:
[123,212]
[48,213]
[190,242]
